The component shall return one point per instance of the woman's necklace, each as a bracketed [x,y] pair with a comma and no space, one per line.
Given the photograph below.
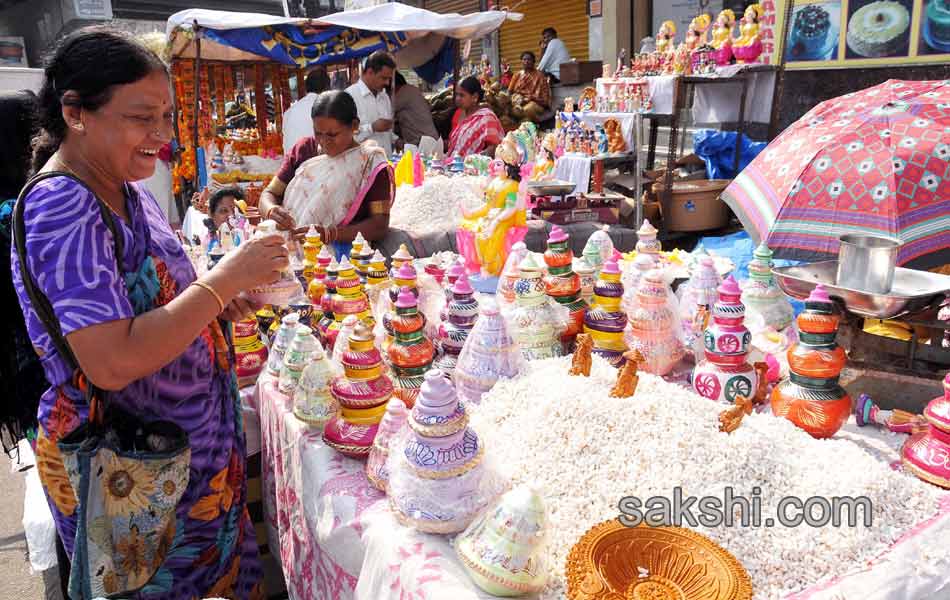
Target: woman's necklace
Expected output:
[69,169]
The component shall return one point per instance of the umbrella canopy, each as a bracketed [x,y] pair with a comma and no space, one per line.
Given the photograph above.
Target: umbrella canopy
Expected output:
[873,162]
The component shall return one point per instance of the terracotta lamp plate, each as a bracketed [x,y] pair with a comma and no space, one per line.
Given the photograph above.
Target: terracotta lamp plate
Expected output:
[680,564]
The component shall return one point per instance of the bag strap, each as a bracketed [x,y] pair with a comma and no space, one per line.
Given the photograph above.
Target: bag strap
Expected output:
[41,305]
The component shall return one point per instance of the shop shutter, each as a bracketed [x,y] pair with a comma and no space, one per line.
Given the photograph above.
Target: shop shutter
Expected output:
[568,17]
[462,7]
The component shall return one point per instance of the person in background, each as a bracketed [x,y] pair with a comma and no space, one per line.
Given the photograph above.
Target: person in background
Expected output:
[555,53]
[530,91]
[413,114]
[348,189]
[297,121]
[142,326]
[21,374]
[372,101]
[475,127]
[241,115]
[222,205]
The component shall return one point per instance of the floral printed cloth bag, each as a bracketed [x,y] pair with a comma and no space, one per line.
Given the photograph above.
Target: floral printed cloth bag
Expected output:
[128,475]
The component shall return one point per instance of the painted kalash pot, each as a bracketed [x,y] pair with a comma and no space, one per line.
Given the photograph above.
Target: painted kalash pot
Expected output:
[503,549]
[313,402]
[535,321]
[362,392]
[927,454]
[436,486]
[404,278]
[564,285]
[605,321]
[726,373]
[762,296]
[652,331]
[410,354]
[350,299]
[377,470]
[462,314]
[249,351]
[489,354]
[811,397]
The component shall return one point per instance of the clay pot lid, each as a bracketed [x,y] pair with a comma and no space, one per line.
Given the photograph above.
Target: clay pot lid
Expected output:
[312,234]
[402,253]
[729,289]
[378,257]
[456,270]
[406,272]
[938,410]
[647,229]
[437,403]
[246,328]
[529,268]
[462,287]
[395,417]
[644,261]
[610,267]
[685,565]
[584,267]
[557,235]
[406,298]
[325,257]
[359,240]
[489,307]
[291,320]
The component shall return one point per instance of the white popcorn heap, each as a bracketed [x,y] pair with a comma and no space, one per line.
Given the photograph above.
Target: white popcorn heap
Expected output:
[436,206]
[584,451]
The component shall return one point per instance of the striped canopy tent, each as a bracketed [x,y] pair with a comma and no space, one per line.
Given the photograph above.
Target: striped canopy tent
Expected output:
[874,162]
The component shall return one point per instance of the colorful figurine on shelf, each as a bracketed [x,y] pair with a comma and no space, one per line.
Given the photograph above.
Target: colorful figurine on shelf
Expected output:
[811,397]
[748,46]
[486,235]
[394,421]
[313,402]
[762,296]
[925,453]
[362,393]
[722,37]
[605,321]
[603,142]
[544,165]
[411,353]
[615,142]
[489,354]
[461,315]
[696,34]
[250,353]
[726,373]
[664,37]
[536,322]
[435,485]
[564,285]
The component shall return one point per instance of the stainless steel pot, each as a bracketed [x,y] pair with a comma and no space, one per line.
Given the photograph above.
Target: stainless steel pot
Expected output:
[866,263]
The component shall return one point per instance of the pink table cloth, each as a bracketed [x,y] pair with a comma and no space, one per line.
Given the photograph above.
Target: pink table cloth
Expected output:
[337,539]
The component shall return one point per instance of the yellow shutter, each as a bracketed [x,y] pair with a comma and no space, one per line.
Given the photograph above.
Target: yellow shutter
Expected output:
[462,7]
[568,17]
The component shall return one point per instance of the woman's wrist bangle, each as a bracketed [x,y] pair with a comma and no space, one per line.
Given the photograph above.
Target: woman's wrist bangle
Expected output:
[211,291]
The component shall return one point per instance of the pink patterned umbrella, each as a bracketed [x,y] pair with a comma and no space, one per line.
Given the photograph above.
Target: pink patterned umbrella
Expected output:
[875,162]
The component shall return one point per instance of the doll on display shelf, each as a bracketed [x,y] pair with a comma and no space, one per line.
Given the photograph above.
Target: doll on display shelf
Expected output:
[696,34]
[602,141]
[748,46]
[544,165]
[722,37]
[664,37]
[506,75]
[500,220]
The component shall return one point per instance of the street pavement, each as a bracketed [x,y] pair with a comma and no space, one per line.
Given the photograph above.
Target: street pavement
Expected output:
[16,581]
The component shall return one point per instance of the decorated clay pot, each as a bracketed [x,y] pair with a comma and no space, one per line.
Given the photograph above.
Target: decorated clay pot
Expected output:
[605,321]
[651,330]
[313,402]
[503,549]
[411,353]
[394,420]
[811,397]
[927,454]
[249,351]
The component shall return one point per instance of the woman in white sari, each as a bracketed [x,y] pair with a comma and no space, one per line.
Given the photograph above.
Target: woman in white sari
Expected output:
[344,191]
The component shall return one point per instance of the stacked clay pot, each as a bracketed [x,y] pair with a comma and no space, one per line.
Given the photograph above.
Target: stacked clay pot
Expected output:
[489,354]
[250,353]
[462,313]
[605,321]
[564,285]
[535,321]
[377,469]
[652,329]
[411,353]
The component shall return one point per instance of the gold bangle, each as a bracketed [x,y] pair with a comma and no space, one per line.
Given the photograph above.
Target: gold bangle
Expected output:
[211,291]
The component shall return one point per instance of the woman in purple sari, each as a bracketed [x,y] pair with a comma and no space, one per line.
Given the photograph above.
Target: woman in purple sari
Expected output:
[141,326]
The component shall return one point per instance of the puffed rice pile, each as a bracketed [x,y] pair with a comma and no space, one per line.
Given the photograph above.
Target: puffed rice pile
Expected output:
[584,451]
[436,205]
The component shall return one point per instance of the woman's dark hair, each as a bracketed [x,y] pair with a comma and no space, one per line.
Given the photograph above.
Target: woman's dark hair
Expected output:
[336,105]
[91,62]
[17,128]
[529,53]
[379,60]
[317,81]
[473,86]
[550,31]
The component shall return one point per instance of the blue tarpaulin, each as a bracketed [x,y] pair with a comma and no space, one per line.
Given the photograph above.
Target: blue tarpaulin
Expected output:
[718,151]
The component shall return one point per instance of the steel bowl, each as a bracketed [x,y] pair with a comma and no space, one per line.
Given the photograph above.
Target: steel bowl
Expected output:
[911,291]
[550,188]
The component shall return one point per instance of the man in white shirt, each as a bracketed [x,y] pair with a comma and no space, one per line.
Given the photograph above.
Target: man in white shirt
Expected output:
[372,101]
[297,121]
[555,53]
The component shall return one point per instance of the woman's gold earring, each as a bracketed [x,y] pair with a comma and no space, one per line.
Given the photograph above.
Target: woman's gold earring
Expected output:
[79,127]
